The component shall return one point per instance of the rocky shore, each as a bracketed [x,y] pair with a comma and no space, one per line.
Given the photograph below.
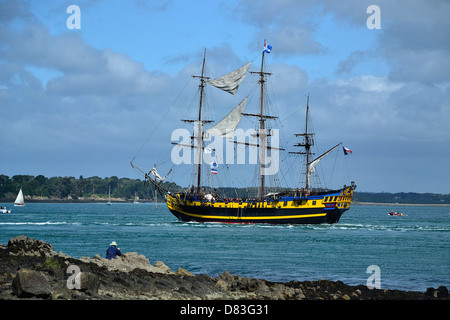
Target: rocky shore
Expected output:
[31,270]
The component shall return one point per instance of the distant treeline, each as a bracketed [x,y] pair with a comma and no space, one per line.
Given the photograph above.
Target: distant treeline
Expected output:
[63,188]
[402,197]
[40,187]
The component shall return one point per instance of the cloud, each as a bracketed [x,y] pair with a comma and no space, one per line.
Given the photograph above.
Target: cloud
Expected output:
[62,97]
[78,107]
[288,25]
[34,45]
[291,40]
[346,66]
[11,10]
[414,41]
[115,74]
[409,57]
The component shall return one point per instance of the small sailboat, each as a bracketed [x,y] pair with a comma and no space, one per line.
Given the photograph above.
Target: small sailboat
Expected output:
[136,199]
[19,202]
[109,196]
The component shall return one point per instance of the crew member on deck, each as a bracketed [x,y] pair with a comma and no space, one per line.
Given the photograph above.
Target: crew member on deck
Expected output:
[113,251]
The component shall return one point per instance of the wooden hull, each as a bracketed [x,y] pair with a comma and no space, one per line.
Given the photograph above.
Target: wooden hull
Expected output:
[314,209]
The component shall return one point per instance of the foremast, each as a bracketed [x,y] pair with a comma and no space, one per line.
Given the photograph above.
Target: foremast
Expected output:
[199,137]
[198,125]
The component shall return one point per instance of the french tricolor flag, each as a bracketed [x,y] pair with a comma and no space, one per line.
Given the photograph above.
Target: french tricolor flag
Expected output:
[214,168]
[347,150]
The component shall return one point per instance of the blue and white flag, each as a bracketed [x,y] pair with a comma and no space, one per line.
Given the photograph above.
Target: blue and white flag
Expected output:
[214,168]
[267,47]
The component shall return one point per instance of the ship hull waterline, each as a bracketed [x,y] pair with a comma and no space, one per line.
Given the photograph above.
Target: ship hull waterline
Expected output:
[280,212]
[260,216]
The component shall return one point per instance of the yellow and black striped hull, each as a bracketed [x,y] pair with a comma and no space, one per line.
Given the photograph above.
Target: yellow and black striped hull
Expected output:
[314,209]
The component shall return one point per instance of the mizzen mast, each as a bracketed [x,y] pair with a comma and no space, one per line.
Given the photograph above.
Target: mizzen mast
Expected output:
[307,143]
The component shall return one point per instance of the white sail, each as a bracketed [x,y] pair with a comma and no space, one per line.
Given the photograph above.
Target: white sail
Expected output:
[226,126]
[109,195]
[231,81]
[19,200]
[312,164]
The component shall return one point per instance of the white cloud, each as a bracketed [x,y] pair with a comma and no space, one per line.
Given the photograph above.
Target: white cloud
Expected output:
[370,83]
[60,95]
[64,98]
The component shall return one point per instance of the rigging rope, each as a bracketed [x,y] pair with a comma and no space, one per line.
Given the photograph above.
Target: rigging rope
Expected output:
[160,121]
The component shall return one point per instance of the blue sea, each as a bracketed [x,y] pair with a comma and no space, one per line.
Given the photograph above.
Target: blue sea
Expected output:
[412,251]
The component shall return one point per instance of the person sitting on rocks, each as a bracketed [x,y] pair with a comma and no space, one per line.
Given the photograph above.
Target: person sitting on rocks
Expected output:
[113,251]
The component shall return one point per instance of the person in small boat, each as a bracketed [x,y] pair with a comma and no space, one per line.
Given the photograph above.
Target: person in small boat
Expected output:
[113,251]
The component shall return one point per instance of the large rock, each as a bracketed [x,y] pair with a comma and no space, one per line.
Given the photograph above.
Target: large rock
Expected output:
[441,292]
[25,246]
[127,262]
[30,283]
[89,282]
[41,273]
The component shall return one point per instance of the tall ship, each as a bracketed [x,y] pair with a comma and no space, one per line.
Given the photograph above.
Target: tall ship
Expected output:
[298,205]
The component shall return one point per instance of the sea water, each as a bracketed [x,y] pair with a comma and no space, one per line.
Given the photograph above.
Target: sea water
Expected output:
[411,251]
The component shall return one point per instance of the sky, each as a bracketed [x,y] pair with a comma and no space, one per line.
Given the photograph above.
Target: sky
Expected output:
[87,101]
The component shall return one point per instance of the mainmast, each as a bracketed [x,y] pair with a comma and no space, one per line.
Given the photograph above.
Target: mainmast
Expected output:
[308,143]
[262,127]
[262,133]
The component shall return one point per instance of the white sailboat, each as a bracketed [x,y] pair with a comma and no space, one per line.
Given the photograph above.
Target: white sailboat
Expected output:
[136,199]
[19,202]
[109,196]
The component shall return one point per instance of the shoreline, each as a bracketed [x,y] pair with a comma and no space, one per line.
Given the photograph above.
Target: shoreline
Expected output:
[357,203]
[31,269]
[105,200]
[98,200]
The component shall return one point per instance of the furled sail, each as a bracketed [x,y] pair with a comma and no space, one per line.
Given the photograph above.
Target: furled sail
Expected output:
[226,126]
[231,81]
[156,174]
